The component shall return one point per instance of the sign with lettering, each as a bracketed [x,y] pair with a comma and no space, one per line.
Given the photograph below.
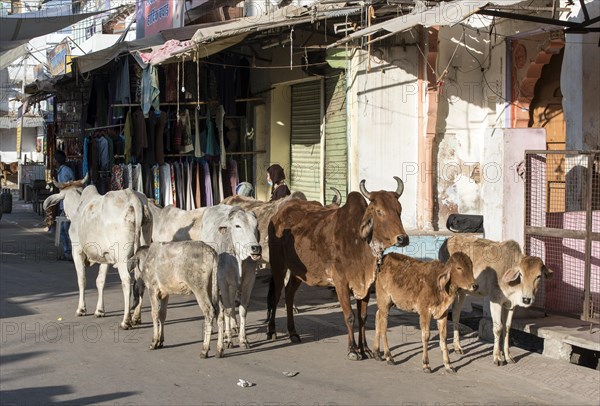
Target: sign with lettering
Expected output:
[153,16]
[59,59]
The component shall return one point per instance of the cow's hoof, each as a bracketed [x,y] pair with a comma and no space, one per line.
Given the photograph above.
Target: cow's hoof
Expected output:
[295,338]
[272,336]
[154,346]
[245,345]
[99,313]
[366,354]
[390,361]
[219,353]
[136,322]
[498,362]
[81,312]
[229,345]
[427,370]
[126,325]
[204,354]
[377,356]
[353,356]
[450,370]
[458,350]
[510,360]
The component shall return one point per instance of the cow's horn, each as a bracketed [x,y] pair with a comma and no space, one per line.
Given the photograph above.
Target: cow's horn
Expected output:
[58,184]
[337,199]
[85,179]
[364,190]
[400,188]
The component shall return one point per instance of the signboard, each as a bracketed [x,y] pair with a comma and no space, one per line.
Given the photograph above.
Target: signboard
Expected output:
[19,139]
[38,72]
[59,59]
[153,16]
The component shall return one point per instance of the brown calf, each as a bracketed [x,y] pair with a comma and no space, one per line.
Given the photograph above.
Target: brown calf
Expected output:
[427,288]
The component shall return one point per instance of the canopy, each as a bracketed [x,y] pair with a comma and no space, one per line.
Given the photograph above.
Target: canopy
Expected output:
[19,29]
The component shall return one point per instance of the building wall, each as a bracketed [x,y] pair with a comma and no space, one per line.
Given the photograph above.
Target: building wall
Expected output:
[383,122]
[580,83]
[8,144]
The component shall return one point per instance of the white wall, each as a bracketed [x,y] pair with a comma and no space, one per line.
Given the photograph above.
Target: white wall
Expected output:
[580,83]
[8,144]
[383,120]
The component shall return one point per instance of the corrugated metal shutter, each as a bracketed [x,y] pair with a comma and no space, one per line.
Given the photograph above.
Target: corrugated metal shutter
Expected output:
[336,144]
[305,139]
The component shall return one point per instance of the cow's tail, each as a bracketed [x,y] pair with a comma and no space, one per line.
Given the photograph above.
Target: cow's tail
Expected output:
[215,285]
[139,220]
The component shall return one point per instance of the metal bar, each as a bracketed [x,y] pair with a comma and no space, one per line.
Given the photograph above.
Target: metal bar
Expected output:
[533,19]
[590,22]
[584,9]
[102,128]
[563,152]
[588,241]
[560,233]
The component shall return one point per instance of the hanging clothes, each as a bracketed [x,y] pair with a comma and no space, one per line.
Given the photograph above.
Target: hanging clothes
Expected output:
[150,90]
[137,179]
[123,90]
[197,146]
[197,189]
[186,141]
[129,176]
[127,131]
[173,185]
[159,146]
[167,186]
[156,183]
[149,153]
[180,186]
[140,137]
[85,156]
[219,119]
[189,199]
[212,147]
[103,155]
[116,182]
[208,193]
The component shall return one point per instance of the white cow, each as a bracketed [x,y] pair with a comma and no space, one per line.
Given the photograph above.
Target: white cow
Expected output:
[233,233]
[505,275]
[104,230]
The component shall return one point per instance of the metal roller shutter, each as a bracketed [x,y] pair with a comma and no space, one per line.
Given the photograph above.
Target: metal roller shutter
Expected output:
[336,145]
[305,173]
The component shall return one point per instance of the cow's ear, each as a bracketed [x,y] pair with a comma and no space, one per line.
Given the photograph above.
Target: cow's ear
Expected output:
[547,272]
[366,227]
[444,281]
[223,229]
[511,275]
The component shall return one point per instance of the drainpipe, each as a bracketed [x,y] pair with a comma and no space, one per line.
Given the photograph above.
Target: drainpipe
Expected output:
[428,41]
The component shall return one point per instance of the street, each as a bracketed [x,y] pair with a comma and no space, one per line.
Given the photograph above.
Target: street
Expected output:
[48,355]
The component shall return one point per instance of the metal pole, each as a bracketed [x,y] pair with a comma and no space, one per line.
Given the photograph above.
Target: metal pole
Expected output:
[588,240]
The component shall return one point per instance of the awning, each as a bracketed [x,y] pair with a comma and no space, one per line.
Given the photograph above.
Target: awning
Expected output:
[446,13]
[212,38]
[7,57]
[18,29]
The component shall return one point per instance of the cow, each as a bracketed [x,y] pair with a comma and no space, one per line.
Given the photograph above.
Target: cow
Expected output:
[427,288]
[339,246]
[233,233]
[504,275]
[8,169]
[180,268]
[264,211]
[105,229]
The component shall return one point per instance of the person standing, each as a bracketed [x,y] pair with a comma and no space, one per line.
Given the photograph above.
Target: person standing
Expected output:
[64,174]
[276,179]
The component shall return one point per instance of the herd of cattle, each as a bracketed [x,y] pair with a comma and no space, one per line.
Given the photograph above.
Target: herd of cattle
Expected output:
[215,252]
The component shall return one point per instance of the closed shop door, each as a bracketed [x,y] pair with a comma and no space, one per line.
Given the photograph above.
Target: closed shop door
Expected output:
[336,144]
[305,173]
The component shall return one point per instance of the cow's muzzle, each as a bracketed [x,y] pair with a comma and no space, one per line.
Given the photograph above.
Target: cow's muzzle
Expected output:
[256,252]
[527,300]
[401,240]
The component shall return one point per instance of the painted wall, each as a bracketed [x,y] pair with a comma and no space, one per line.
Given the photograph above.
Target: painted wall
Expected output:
[580,83]
[383,120]
[8,144]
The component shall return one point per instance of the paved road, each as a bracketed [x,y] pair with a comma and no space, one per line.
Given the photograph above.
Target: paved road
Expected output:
[50,356]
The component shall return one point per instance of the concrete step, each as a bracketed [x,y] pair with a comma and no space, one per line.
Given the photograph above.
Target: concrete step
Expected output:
[561,334]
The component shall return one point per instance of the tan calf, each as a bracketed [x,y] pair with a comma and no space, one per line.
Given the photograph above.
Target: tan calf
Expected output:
[503,274]
[427,288]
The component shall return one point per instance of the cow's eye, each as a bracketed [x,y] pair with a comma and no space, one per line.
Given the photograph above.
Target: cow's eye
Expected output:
[538,277]
[238,226]
[379,212]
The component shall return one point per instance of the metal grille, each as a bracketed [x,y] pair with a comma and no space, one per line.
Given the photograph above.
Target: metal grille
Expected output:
[562,226]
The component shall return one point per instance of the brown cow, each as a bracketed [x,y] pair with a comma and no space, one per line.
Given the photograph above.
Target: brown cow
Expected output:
[325,246]
[427,288]
[503,274]
[8,169]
